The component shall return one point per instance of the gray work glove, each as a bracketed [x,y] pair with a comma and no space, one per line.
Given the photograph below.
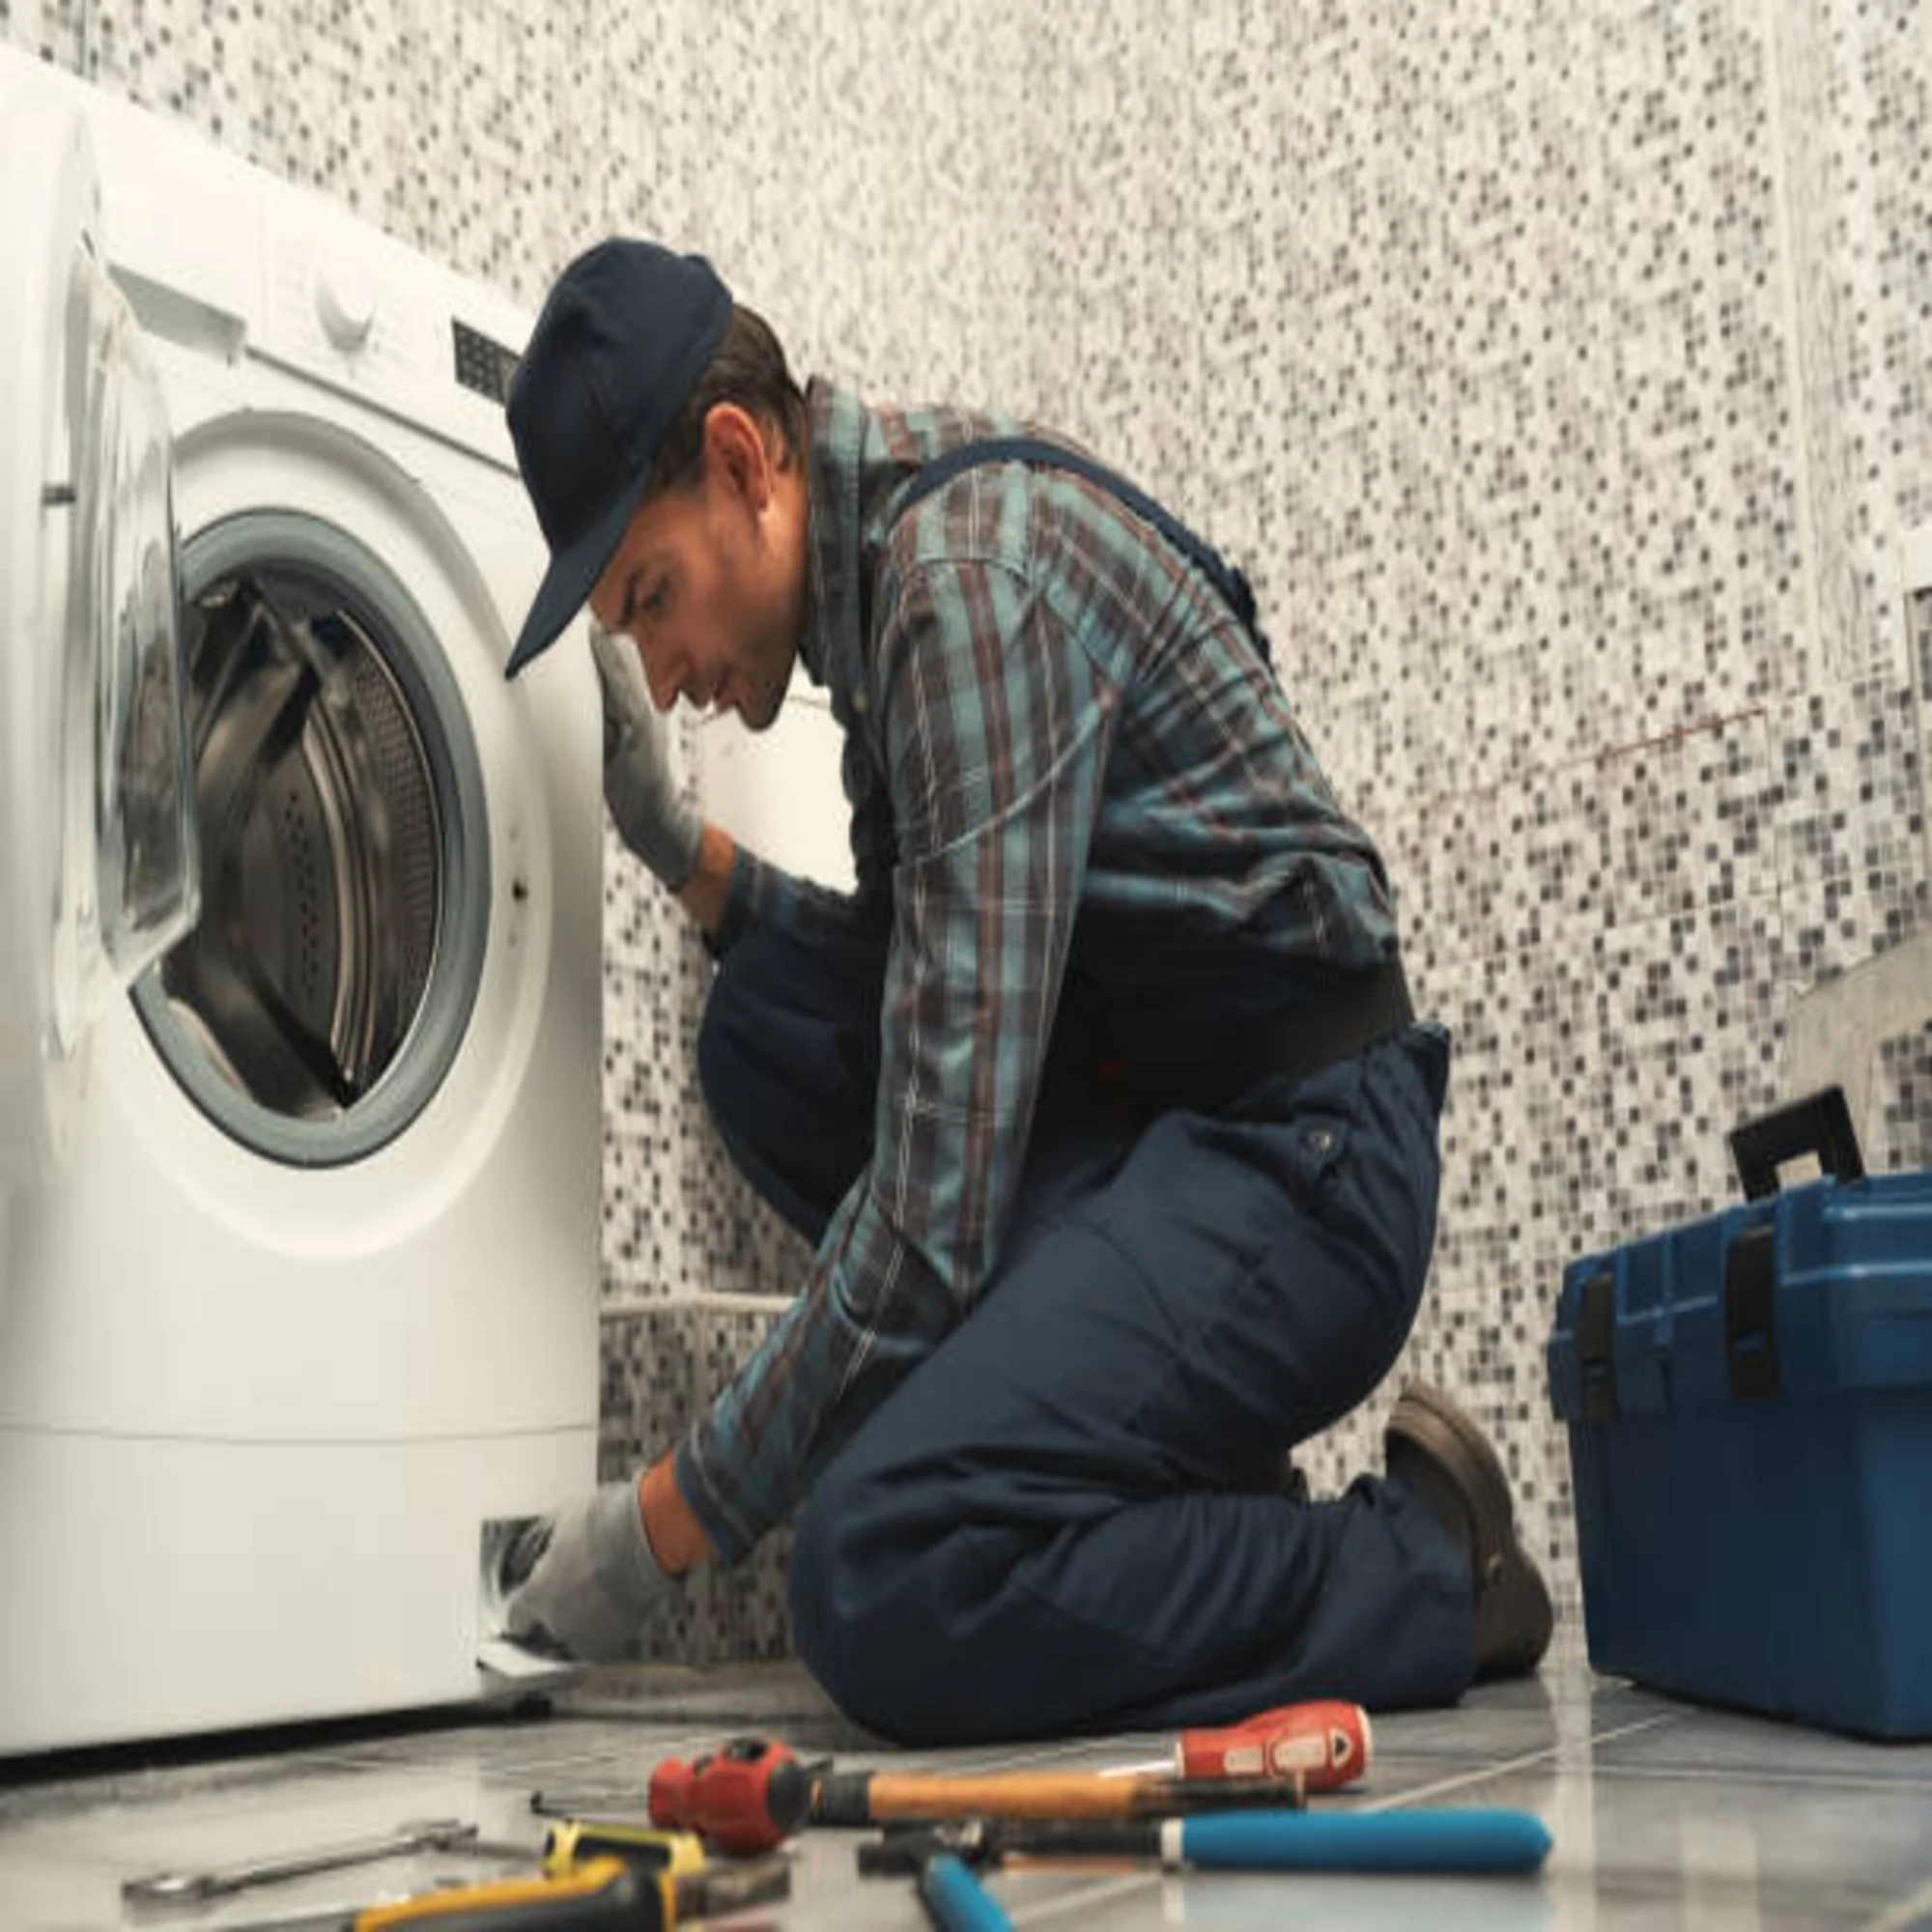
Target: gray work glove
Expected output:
[652,820]
[585,1579]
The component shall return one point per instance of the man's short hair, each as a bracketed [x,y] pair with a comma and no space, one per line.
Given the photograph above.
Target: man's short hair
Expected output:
[748,370]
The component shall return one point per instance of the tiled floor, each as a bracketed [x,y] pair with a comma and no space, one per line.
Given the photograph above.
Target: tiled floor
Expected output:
[1663,1815]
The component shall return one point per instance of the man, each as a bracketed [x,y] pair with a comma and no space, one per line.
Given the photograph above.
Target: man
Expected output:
[1100,1096]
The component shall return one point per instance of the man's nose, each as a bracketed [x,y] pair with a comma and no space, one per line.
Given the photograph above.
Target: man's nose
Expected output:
[661,674]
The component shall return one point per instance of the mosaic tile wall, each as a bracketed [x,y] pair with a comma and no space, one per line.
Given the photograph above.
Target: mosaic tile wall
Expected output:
[1560,375]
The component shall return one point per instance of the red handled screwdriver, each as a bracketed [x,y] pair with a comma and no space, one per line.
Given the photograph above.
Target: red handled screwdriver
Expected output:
[1328,1744]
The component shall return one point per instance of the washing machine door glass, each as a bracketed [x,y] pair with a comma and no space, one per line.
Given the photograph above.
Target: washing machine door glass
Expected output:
[315,1010]
[131,882]
[96,841]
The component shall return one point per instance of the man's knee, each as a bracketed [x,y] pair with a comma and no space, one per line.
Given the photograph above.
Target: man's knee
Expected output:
[866,1621]
[824,1626]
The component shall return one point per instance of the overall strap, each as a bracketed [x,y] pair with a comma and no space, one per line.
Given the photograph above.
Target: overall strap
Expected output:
[1036,450]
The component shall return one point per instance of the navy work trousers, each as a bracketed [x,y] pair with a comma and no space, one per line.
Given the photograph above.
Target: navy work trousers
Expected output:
[1068,1515]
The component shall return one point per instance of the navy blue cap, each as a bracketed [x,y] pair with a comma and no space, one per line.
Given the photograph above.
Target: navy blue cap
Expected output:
[625,335]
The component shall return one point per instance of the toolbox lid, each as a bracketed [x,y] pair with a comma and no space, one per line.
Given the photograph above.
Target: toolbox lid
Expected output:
[1819,1290]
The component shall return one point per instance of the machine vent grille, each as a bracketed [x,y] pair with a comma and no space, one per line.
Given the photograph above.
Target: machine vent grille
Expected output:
[483,365]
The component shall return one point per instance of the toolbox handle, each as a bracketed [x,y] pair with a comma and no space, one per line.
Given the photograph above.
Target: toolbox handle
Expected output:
[1820,1124]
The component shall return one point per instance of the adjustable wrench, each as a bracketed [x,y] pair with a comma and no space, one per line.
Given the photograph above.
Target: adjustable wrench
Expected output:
[434,1834]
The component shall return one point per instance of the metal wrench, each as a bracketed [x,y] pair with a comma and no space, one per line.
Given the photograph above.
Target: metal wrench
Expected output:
[433,1834]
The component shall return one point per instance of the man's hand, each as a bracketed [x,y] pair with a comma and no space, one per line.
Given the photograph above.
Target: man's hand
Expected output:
[653,821]
[594,1586]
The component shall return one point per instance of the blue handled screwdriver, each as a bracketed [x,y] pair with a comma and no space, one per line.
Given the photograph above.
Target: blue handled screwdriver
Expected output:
[1446,1842]
[956,1901]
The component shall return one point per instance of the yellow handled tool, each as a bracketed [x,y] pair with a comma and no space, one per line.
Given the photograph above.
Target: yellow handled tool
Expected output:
[575,1841]
[660,1884]
[608,1894]
[672,1864]
[605,1896]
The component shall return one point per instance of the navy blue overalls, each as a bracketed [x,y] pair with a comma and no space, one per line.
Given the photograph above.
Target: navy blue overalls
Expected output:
[1071,1516]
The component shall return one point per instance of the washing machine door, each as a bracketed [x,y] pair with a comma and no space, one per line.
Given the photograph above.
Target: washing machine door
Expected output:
[97,835]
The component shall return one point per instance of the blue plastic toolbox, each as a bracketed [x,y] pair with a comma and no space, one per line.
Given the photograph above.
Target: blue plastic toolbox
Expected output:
[1749,1408]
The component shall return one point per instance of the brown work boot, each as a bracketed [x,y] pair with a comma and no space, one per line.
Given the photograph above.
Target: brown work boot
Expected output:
[1435,1449]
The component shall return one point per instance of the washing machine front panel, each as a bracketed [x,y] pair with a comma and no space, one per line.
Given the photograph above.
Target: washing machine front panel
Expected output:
[96,848]
[442,1281]
[263,1381]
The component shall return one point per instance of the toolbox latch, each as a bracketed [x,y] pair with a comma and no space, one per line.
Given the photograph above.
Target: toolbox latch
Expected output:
[1750,1314]
[1596,1346]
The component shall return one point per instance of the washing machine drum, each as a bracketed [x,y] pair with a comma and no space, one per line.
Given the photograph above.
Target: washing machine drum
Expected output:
[317,1005]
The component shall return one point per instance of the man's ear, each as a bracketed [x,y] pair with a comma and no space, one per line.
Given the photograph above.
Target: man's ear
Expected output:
[734,442]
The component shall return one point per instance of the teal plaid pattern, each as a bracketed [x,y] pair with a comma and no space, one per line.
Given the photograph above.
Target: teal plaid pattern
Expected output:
[1049,714]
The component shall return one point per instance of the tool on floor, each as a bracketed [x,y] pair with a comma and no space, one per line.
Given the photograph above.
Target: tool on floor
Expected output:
[954,1900]
[614,1811]
[575,1841]
[435,1834]
[1328,1744]
[610,1806]
[714,1893]
[861,1797]
[605,1896]
[672,1863]
[747,1797]
[1444,1842]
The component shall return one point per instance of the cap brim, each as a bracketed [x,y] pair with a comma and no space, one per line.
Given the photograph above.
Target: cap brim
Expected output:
[571,578]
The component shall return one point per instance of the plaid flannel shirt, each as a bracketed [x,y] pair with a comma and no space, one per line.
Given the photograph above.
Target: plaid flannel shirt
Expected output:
[1049,716]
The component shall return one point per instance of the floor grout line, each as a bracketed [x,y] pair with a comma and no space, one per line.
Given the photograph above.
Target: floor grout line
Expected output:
[1743,1774]
[1085,1901]
[1523,1763]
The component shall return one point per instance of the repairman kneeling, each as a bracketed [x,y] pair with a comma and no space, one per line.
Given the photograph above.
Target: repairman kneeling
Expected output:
[1100,1097]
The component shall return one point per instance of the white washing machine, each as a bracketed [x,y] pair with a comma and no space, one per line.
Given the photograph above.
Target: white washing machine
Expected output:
[298,1243]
